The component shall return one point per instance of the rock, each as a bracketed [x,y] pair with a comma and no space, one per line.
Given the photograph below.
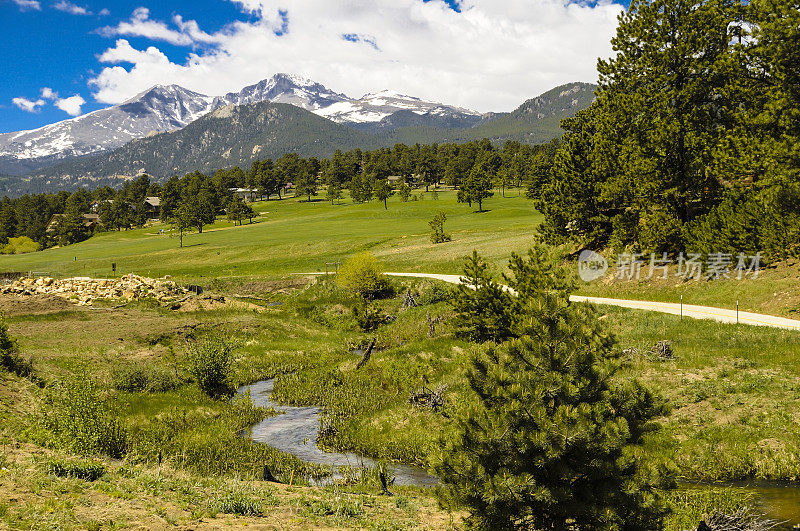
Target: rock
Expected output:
[84,290]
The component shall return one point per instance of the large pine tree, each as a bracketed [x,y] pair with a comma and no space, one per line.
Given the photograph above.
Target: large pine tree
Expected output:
[553,440]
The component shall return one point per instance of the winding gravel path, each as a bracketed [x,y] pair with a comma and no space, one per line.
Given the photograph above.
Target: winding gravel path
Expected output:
[722,315]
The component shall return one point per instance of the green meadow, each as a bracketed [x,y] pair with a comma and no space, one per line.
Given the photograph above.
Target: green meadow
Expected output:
[291,236]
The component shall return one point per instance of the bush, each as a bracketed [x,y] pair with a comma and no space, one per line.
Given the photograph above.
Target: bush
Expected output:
[10,359]
[367,317]
[210,365]
[138,378]
[80,469]
[362,274]
[80,420]
[20,245]
[434,293]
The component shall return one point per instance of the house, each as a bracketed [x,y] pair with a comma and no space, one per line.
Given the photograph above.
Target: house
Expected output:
[97,205]
[248,194]
[90,221]
[152,208]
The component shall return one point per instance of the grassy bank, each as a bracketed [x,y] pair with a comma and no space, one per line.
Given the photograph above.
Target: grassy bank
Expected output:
[732,390]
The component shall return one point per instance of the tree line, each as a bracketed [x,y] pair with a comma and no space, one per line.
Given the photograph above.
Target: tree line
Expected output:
[196,199]
[692,141]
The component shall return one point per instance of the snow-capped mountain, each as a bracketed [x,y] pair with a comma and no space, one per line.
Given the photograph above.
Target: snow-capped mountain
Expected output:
[167,108]
[375,107]
[161,108]
[284,88]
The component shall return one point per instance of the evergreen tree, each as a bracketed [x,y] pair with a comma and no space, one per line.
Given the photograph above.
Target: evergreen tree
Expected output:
[334,191]
[553,440]
[644,146]
[383,191]
[170,198]
[306,184]
[482,306]
[477,186]
[235,210]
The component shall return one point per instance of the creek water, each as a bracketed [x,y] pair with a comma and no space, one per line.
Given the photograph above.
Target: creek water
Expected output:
[777,500]
[294,431]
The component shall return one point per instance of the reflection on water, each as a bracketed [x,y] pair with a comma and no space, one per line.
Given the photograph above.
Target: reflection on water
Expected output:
[294,431]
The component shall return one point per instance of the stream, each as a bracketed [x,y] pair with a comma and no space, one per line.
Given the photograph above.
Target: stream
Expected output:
[294,431]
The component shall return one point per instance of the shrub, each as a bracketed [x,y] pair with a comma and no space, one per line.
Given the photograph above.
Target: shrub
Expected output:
[10,359]
[80,469]
[362,274]
[433,294]
[20,245]
[138,378]
[438,234]
[81,421]
[367,317]
[210,365]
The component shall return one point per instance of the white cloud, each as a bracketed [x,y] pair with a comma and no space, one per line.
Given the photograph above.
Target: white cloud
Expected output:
[104,12]
[491,56]
[140,25]
[49,94]
[69,7]
[28,105]
[71,105]
[28,5]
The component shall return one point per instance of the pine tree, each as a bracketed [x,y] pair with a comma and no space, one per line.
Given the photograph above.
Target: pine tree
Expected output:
[644,146]
[334,191]
[482,306]
[383,191]
[235,210]
[477,186]
[553,440]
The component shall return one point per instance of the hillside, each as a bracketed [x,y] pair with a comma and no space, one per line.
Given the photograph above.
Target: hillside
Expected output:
[534,122]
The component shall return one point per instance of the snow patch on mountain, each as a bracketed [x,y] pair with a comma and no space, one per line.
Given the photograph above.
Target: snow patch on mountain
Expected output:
[171,107]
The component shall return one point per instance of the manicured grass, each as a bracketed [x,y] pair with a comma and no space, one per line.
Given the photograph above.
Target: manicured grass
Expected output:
[296,236]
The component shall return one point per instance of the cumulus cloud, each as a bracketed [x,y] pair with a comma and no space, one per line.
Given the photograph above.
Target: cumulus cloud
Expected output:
[104,12]
[28,105]
[28,5]
[71,105]
[72,9]
[490,56]
[49,94]
[185,33]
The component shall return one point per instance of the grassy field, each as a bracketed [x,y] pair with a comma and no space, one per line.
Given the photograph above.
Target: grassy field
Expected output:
[733,389]
[292,236]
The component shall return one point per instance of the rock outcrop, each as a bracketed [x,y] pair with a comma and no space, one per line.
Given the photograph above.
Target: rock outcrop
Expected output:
[84,290]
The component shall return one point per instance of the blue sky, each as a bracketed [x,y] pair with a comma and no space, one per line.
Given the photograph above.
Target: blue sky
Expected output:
[481,54]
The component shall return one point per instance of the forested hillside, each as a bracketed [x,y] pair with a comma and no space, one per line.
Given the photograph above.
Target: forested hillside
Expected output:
[692,143]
